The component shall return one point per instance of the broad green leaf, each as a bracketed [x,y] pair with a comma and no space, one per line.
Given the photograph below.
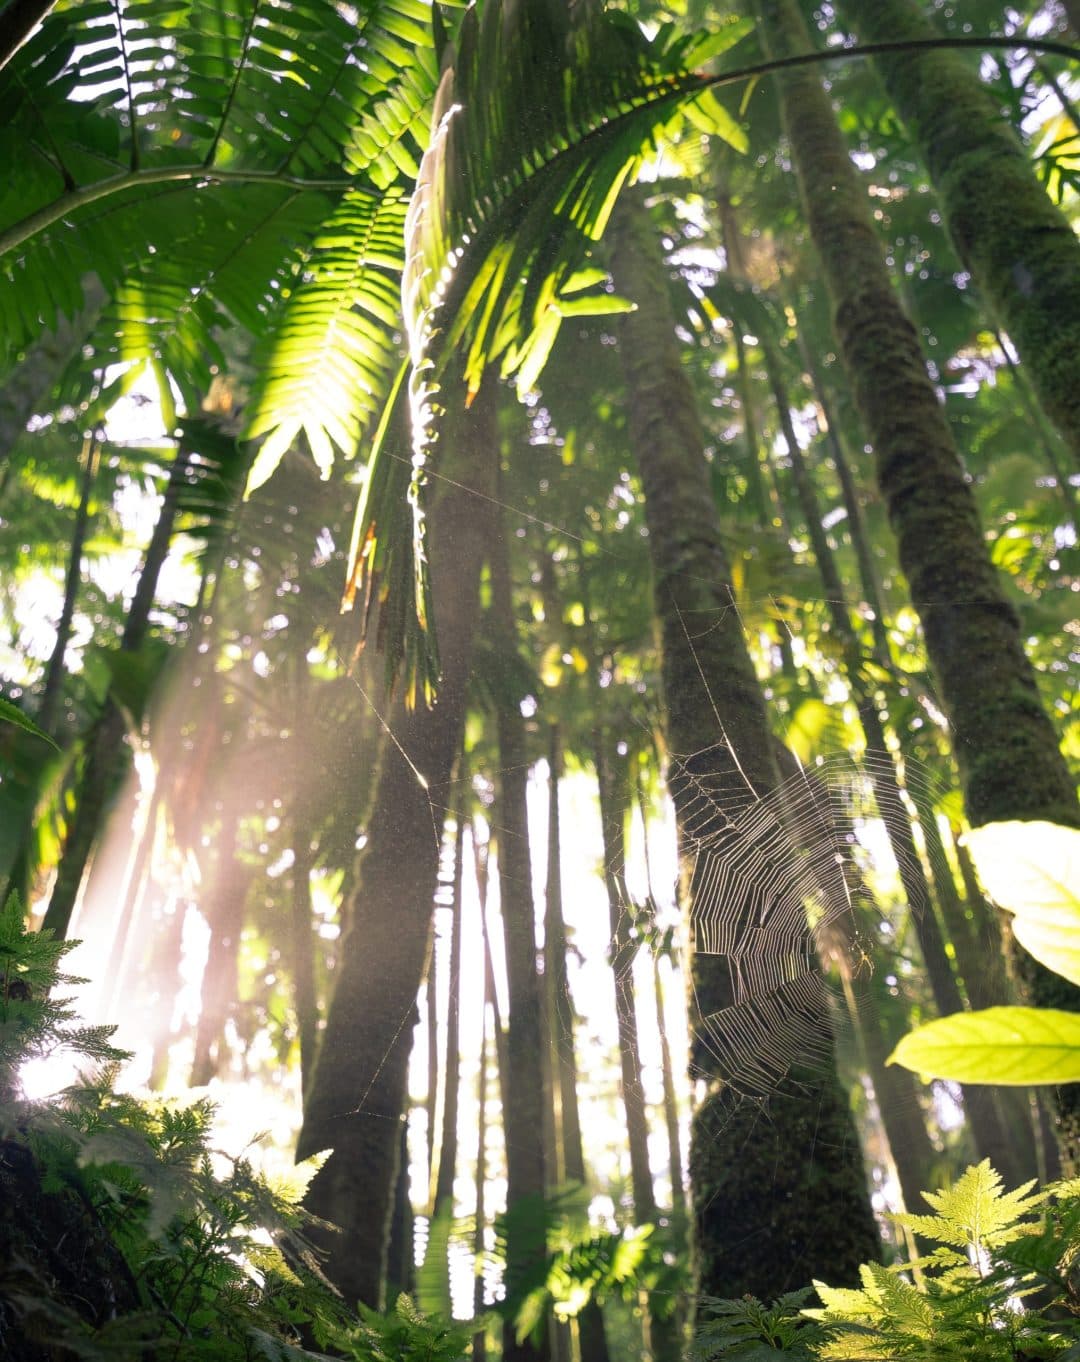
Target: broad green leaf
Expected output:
[12,714]
[1010,1045]
[1033,870]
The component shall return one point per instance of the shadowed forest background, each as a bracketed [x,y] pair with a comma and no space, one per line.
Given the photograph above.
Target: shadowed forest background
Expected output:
[539,591]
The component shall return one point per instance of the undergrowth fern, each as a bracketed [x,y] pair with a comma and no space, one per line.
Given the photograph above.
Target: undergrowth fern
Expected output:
[998,1283]
[125,1235]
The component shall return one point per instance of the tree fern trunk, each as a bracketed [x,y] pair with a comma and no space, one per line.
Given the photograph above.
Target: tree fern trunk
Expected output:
[773,1203]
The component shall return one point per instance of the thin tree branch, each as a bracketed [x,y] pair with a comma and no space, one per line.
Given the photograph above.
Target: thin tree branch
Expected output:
[18,19]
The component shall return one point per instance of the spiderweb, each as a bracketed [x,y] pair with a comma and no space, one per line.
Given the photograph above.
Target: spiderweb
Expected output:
[779,893]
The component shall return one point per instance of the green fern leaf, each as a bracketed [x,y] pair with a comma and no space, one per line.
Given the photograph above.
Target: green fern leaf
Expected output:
[975,1213]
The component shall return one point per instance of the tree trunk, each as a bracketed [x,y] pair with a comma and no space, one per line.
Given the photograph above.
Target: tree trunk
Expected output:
[614,807]
[1052,444]
[302,954]
[523,1117]
[400,1270]
[106,749]
[748,1170]
[164,970]
[1021,250]
[820,821]
[992,1138]
[479,1339]
[856,523]
[661,1328]
[592,1337]
[431,1096]
[448,1143]
[972,633]
[223,907]
[358,1089]
[47,715]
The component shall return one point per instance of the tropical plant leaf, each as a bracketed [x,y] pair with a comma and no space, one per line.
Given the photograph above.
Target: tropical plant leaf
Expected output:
[1009,1045]
[975,1212]
[327,369]
[12,714]
[1033,871]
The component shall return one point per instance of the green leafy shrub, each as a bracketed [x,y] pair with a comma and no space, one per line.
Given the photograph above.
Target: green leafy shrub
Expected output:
[407,1335]
[584,1263]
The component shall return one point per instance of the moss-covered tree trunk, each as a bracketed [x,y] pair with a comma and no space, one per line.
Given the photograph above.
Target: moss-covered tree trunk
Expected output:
[1021,250]
[1004,743]
[778,1194]
[358,1088]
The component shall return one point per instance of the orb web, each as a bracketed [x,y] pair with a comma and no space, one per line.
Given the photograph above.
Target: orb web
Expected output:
[780,900]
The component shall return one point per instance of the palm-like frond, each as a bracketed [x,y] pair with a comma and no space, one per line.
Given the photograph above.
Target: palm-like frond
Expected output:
[543,111]
[325,370]
[208,160]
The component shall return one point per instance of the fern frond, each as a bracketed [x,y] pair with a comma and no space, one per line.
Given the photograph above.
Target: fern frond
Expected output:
[538,121]
[975,1213]
[327,368]
[190,154]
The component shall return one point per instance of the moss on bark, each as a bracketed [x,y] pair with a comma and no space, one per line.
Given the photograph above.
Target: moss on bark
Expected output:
[778,1191]
[1020,249]
[972,632]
